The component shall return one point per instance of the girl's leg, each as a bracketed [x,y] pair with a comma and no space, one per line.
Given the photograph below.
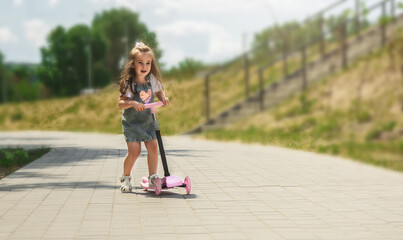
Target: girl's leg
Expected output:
[134,149]
[152,158]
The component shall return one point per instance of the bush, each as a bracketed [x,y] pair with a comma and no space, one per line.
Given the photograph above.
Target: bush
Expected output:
[185,69]
[373,134]
[363,117]
[10,157]
[389,126]
[327,129]
[332,149]
[14,158]
[17,116]
[384,127]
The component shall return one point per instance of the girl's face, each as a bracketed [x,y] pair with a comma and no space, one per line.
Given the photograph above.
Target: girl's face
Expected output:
[142,64]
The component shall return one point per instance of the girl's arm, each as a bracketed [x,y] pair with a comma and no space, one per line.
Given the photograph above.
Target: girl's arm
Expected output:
[161,96]
[125,103]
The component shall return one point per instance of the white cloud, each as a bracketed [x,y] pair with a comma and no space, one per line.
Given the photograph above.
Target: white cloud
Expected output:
[6,36]
[161,12]
[17,2]
[206,6]
[36,31]
[100,1]
[203,41]
[118,3]
[53,2]
[163,7]
[124,3]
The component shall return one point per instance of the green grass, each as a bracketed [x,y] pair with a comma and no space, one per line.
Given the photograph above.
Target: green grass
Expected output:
[11,159]
[336,116]
[388,154]
[385,154]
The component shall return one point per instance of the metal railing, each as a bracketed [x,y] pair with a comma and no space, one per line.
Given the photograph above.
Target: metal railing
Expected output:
[340,34]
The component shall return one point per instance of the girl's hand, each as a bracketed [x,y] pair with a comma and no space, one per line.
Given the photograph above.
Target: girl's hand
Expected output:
[165,101]
[139,106]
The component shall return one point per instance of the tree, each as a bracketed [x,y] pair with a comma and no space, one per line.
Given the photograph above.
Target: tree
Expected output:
[3,79]
[65,61]
[186,68]
[24,86]
[122,28]
[291,36]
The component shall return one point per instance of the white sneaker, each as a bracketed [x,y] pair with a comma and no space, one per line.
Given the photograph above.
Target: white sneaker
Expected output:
[155,182]
[126,185]
[152,180]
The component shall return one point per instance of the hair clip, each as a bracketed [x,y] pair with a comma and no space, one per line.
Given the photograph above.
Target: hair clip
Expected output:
[140,44]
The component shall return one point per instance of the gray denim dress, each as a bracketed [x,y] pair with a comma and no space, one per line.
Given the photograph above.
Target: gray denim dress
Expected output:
[139,126]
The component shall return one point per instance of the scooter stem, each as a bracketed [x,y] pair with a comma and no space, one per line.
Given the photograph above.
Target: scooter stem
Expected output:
[152,107]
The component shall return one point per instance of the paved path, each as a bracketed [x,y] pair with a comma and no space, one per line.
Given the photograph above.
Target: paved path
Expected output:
[239,192]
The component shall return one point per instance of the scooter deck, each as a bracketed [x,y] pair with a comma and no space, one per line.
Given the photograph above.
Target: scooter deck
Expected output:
[144,184]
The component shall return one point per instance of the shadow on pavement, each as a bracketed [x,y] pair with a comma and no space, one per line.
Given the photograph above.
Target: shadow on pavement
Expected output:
[172,193]
[85,156]
[40,173]
[58,185]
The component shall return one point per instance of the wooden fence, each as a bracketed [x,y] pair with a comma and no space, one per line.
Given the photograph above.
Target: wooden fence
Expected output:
[320,41]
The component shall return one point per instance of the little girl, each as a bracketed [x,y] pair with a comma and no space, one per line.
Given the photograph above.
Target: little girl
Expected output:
[139,82]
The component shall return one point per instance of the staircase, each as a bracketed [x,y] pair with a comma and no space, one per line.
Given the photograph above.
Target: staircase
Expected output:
[269,96]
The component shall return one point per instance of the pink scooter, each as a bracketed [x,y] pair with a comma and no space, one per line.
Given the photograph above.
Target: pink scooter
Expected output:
[168,181]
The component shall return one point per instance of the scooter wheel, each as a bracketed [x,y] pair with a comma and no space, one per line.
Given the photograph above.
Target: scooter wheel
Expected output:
[188,187]
[144,180]
[158,186]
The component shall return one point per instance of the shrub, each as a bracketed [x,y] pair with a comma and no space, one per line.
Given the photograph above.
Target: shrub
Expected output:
[363,117]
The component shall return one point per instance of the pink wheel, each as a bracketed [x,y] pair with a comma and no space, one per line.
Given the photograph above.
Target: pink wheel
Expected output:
[188,187]
[157,186]
[144,180]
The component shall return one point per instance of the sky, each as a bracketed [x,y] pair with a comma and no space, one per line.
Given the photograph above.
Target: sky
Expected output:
[208,30]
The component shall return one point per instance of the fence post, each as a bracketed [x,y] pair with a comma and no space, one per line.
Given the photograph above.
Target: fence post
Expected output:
[246,73]
[322,37]
[4,77]
[393,9]
[207,96]
[268,44]
[285,64]
[303,67]
[401,69]
[357,17]
[261,89]
[383,24]
[401,102]
[343,45]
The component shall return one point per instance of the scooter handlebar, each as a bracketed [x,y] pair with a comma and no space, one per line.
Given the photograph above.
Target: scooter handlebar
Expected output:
[152,106]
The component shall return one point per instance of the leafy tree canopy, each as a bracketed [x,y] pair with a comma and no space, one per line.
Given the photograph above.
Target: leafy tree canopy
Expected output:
[122,28]
[69,58]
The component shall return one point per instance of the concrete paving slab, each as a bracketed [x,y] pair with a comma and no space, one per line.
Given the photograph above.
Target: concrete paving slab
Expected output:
[238,192]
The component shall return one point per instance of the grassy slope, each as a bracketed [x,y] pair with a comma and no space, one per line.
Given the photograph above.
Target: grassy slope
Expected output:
[99,112]
[337,116]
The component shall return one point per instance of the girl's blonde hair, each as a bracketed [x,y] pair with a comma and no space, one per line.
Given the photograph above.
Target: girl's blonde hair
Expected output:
[128,75]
